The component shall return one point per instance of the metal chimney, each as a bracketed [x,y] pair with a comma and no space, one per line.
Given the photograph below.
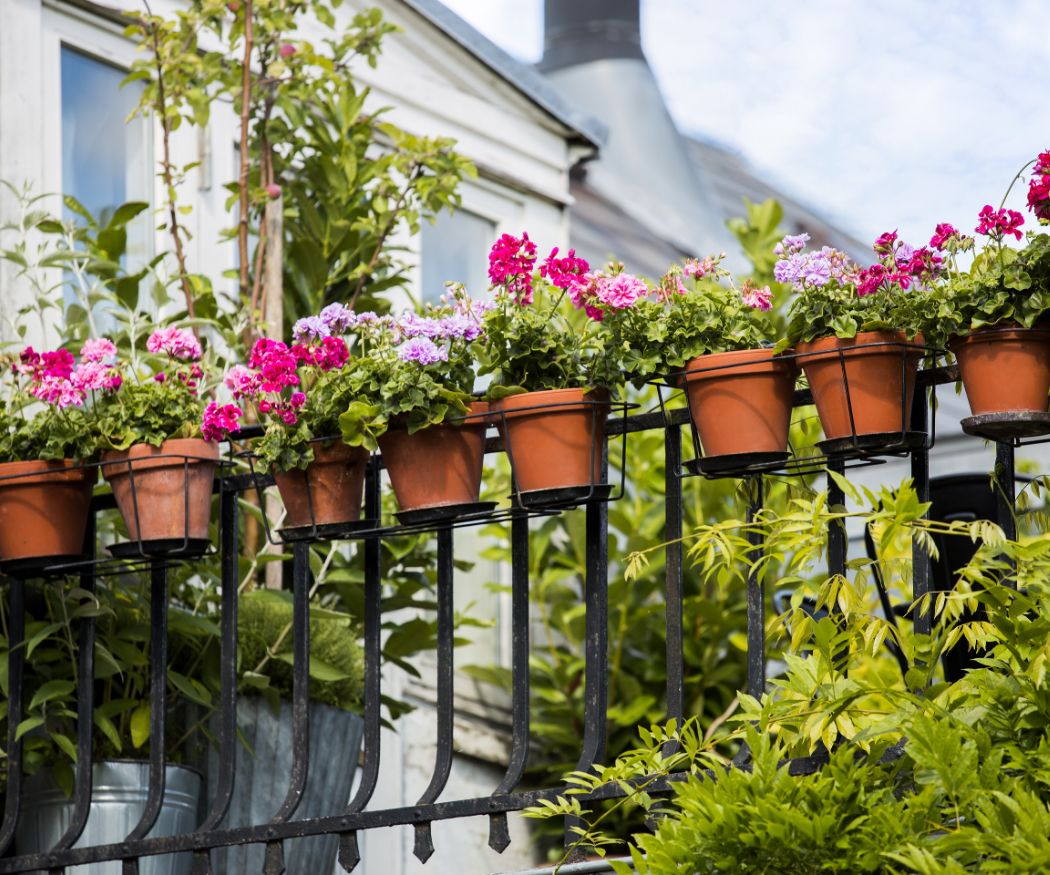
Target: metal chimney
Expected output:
[577,31]
[593,54]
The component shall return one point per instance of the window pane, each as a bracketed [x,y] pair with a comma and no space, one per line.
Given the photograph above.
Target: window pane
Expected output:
[101,158]
[455,249]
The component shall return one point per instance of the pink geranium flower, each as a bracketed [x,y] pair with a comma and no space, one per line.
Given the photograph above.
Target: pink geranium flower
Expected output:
[175,342]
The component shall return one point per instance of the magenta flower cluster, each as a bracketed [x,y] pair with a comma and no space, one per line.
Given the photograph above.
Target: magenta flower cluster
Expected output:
[220,421]
[511,262]
[56,379]
[177,343]
[998,223]
[1039,188]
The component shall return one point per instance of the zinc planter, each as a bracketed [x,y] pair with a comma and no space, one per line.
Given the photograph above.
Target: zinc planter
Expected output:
[741,401]
[164,493]
[1005,370]
[880,377]
[437,466]
[329,491]
[118,798]
[262,780]
[43,508]
[554,437]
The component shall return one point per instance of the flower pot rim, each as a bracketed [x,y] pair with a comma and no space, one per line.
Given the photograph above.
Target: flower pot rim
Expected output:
[993,333]
[738,363]
[32,471]
[207,451]
[539,396]
[893,338]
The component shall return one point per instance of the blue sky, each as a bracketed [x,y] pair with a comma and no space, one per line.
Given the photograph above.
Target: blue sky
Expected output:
[883,114]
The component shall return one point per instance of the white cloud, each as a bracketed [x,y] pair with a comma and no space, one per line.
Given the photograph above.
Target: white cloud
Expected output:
[889,113]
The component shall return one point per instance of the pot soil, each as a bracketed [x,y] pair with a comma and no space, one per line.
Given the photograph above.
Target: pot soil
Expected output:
[164,493]
[1004,370]
[329,491]
[880,379]
[554,437]
[440,465]
[44,509]
[745,405]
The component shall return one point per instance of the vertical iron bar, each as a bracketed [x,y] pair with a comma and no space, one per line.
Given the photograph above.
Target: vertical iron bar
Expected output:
[158,647]
[673,572]
[300,681]
[756,598]
[920,558]
[15,665]
[85,707]
[274,856]
[349,853]
[1005,491]
[837,530]
[596,648]
[499,833]
[228,536]
[424,843]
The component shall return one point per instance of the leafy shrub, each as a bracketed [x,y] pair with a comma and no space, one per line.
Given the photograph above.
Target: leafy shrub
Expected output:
[264,620]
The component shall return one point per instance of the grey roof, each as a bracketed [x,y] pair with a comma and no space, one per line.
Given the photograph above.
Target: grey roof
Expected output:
[522,76]
[733,179]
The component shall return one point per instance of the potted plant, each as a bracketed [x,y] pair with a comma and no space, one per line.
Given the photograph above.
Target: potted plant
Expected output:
[418,377]
[121,715]
[299,392]
[716,340]
[855,330]
[553,368]
[264,721]
[993,315]
[162,442]
[47,434]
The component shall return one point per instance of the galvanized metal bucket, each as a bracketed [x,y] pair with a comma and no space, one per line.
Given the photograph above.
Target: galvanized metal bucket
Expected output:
[118,797]
[261,782]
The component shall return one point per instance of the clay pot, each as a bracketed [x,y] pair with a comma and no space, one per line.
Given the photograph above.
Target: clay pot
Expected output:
[332,486]
[44,511]
[439,465]
[554,437]
[164,492]
[1004,370]
[880,379]
[745,405]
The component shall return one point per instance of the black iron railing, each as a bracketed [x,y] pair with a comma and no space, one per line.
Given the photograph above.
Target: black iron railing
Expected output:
[349,820]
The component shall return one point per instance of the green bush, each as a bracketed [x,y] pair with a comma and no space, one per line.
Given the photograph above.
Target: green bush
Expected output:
[264,623]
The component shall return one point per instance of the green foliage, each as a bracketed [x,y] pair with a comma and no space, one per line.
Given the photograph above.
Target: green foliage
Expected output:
[658,336]
[344,199]
[923,777]
[837,310]
[122,670]
[264,621]
[1002,287]
[150,412]
[757,233]
[545,345]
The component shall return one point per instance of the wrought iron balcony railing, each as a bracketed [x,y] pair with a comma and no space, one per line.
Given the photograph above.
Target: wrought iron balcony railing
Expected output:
[349,820]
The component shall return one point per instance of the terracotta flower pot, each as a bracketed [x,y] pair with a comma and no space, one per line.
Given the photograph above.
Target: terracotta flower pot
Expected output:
[164,493]
[329,491]
[554,437]
[880,379]
[44,511]
[745,405]
[439,465]
[1004,370]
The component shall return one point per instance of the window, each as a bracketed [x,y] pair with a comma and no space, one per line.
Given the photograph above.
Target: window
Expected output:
[453,250]
[104,159]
